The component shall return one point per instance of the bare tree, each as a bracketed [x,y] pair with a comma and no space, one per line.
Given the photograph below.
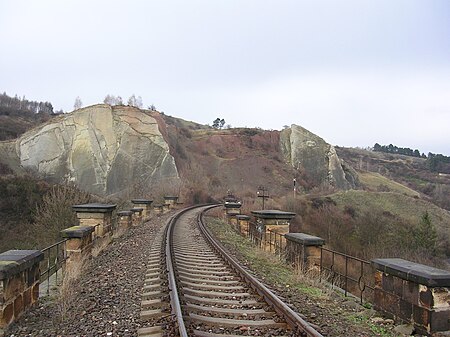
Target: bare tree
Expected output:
[78,104]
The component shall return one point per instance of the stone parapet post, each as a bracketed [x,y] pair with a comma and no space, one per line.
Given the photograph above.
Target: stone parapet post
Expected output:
[243,221]
[19,283]
[303,250]
[96,215]
[170,201]
[232,208]
[272,224]
[414,293]
[146,204]
[137,215]
[159,209]
[78,245]
[125,219]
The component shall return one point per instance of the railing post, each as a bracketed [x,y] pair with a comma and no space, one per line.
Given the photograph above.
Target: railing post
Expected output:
[273,221]
[19,283]
[137,215]
[78,245]
[146,205]
[96,215]
[125,219]
[310,247]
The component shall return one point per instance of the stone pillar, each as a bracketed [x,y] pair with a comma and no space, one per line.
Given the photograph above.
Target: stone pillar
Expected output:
[159,209]
[78,245]
[96,215]
[125,219]
[146,204]
[232,208]
[413,293]
[303,250]
[243,221]
[273,225]
[170,201]
[19,283]
[137,215]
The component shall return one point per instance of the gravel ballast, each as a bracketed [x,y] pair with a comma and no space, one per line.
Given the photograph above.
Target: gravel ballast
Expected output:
[105,300]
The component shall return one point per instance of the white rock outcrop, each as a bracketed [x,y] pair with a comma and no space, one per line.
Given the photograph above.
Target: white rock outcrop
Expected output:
[100,148]
[309,153]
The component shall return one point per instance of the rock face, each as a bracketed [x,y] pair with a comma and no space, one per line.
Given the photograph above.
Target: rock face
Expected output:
[309,153]
[102,149]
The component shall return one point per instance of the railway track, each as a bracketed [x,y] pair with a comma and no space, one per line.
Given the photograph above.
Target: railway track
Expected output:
[211,295]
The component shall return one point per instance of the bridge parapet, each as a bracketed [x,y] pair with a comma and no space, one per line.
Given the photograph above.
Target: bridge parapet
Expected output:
[96,215]
[414,293]
[79,243]
[170,201]
[137,215]
[19,283]
[303,250]
[125,219]
[145,204]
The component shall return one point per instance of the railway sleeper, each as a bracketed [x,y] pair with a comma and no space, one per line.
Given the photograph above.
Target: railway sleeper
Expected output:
[237,312]
[199,333]
[215,294]
[232,323]
[214,287]
[222,302]
[208,281]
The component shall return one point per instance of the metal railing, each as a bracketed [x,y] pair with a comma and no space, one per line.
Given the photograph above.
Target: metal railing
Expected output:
[351,274]
[55,257]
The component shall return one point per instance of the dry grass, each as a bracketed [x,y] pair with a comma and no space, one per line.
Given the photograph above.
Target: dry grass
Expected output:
[376,182]
[67,290]
[410,209]
[100,244]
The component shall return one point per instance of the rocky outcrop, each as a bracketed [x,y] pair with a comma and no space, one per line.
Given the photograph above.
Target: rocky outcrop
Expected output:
[310,154]
[102,149]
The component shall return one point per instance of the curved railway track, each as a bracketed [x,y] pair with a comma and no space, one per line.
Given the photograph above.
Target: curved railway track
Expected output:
[211,295]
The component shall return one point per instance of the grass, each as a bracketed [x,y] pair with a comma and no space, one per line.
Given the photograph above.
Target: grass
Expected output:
[264,263]
[406,207]
[375,181]
[363,319]
[274,271]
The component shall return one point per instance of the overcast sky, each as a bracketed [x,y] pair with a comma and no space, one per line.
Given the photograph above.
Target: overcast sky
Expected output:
[355,72]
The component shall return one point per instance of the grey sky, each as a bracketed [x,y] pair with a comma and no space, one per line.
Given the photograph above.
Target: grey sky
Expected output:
[354,72]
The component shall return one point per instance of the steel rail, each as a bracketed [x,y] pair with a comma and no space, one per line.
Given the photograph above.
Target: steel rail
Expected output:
[173,289]
[297,323]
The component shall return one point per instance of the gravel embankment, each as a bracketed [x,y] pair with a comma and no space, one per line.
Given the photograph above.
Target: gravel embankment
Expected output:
[106,299]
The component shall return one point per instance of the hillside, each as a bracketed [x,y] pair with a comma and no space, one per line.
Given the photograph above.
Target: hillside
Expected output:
[107,150]
[365,203]
[411,172]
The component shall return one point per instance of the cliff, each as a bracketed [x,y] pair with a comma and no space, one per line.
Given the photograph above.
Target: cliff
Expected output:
[106,150]
[102,149]
[309,153]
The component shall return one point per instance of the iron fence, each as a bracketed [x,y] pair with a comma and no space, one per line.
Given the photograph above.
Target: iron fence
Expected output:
[351,274]
[55,257]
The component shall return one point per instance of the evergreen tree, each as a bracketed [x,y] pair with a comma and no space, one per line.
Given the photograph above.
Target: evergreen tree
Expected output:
[425,235]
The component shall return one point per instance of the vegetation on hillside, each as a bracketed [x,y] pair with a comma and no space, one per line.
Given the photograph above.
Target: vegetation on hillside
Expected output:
[376,224]
[18,114]
[412,172]
[436,162]
[33,212]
